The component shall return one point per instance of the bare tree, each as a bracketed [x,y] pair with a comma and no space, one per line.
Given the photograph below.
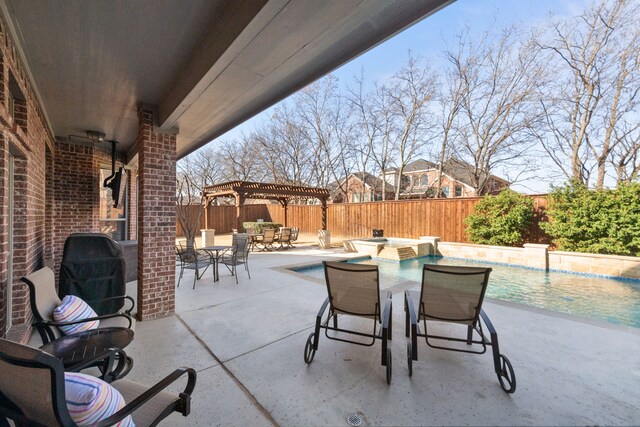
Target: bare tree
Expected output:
[450,103]
[410,90]
[325,123]
[595,90]
[498,77]
[189,208]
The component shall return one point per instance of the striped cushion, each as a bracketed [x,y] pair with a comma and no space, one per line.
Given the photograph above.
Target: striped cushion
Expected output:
[90,400]
[74,308]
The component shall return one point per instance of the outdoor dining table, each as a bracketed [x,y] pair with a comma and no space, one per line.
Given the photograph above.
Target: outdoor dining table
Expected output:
[217,249]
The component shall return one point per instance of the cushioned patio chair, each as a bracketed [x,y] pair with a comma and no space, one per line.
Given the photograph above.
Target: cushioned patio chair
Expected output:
[269,236]
[454,295]
[237,255]
[44,299]
[33,392]
[353,291]
[193,259]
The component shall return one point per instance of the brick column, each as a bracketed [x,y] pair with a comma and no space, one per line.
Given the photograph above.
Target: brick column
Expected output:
[156,220]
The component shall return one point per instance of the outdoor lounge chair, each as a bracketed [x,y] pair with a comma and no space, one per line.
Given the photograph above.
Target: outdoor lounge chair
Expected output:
[192,259]
[354,291]
[454,294]
[33,392]
[44,299]
[237,255]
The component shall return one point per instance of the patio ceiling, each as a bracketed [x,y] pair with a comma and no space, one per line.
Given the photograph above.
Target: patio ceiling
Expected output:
[204,66]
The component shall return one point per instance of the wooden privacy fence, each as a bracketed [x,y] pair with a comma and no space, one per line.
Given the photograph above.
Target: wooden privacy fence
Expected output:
[403,218]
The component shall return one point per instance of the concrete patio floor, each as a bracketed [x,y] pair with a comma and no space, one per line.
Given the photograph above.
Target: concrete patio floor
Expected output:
[246,341]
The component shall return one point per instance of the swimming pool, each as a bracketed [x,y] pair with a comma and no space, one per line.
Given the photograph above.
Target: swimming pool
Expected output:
[612,300]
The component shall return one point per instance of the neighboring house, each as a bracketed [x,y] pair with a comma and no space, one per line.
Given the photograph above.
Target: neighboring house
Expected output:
[420,180]
[359,187]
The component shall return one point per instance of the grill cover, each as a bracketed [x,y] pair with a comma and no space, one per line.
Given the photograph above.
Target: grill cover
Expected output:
[93,268]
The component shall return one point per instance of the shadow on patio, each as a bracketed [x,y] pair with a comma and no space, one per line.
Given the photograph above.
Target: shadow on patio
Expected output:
[246,342]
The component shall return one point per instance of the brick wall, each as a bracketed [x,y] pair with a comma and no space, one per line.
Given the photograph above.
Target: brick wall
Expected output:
[4,224]
[26,136]
[156,220]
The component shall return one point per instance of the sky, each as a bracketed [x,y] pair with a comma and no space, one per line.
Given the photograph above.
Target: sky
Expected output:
[429,37]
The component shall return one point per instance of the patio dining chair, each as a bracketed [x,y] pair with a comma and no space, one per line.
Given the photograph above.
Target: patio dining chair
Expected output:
[285,238]
[267,240]
[454,295]
[34,391]
[192,259]
[353,291]
[44,299]
[237,255]
[295,231]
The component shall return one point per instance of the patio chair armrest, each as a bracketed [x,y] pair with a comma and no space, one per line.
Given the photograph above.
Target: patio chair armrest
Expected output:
[124,297]
[107,359]
[488,323]
[88,319]
[410,307]
[386,313]
[185,396]
[323,308]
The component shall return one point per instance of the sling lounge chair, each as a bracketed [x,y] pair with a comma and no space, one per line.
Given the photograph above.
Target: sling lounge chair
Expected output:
[353,291]
[33,392]
[454,294]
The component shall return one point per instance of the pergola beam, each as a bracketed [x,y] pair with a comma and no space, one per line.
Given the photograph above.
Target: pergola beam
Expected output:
[241,190]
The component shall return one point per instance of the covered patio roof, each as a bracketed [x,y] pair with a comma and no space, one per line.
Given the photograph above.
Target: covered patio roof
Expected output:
[203,66]
[283,193]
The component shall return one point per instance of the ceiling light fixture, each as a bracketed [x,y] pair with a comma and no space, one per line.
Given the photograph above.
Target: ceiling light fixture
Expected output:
[95,136]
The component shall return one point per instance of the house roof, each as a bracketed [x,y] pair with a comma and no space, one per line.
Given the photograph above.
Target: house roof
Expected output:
[462,171]
[369,179]
[203,66]
[419,165]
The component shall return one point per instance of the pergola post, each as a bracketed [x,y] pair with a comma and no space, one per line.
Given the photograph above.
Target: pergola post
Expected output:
[239,203]
[206,213]
[324,214]
[285,205]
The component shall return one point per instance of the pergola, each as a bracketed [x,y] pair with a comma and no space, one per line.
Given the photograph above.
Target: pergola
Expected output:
[283,193]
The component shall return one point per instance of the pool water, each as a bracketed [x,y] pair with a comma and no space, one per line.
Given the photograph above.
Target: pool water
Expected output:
[612,300]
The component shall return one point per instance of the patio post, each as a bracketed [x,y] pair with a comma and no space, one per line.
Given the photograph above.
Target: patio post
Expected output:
[239,202]
[324,214]
[156,219]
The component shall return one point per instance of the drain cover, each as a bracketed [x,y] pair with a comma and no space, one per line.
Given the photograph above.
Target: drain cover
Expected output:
[354,420]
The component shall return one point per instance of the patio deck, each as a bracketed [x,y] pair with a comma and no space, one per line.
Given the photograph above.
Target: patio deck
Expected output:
[246,342]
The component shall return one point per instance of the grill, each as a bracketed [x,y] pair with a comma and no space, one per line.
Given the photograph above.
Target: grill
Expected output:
[93,268]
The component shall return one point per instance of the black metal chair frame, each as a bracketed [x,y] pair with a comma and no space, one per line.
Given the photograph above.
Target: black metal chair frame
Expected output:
[45,327]
[384,333]
[237,256]
[502,365]
[45,361]
[193,261]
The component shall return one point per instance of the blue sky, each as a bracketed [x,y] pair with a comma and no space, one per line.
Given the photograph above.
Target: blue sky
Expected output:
[429,37]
